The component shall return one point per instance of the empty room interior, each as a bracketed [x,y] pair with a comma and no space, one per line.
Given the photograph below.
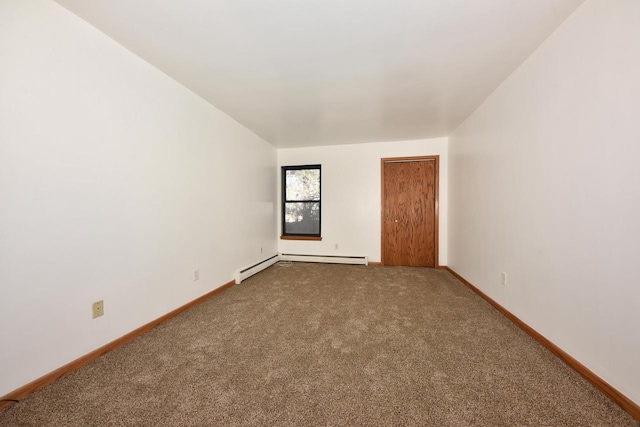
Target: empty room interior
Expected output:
[320,212]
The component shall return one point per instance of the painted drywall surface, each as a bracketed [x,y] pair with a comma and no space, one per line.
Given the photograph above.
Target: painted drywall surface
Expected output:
[544,184]
[351,194]
[115,184]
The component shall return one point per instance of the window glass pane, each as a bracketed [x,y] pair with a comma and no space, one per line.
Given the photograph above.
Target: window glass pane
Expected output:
[303,184]
[302,218]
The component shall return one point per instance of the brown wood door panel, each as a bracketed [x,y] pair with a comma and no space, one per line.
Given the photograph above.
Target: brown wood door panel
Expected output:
[409,217]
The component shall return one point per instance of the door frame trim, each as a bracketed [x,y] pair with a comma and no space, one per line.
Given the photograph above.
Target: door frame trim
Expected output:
[384,160]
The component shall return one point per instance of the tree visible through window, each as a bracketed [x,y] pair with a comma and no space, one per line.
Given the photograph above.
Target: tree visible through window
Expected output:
[301,200]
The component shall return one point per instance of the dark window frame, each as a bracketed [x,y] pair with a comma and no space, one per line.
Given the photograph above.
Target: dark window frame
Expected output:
[283,178]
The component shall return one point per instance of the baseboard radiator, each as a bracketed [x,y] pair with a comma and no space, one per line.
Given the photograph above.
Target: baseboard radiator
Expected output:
[330,259]
[255,268]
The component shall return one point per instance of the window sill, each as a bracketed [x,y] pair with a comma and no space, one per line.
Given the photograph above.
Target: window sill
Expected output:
[300,238]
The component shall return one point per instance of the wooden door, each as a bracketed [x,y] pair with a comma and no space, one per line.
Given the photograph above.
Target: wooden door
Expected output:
[409,211]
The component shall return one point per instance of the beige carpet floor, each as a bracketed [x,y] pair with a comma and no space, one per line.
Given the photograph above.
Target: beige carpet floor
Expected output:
[316,344]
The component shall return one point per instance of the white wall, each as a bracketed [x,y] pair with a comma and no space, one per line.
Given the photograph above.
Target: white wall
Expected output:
[115,183]
[351,190]
[544,184]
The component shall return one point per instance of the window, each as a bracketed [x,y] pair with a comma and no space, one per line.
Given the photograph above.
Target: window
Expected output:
[301,202]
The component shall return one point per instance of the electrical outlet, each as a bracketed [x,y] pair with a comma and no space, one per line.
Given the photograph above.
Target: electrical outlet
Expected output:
[98,308]
[336,246]
[261,249]
[196,274]
[503,278]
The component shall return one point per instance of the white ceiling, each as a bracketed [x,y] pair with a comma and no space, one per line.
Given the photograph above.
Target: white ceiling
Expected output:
[319,72]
